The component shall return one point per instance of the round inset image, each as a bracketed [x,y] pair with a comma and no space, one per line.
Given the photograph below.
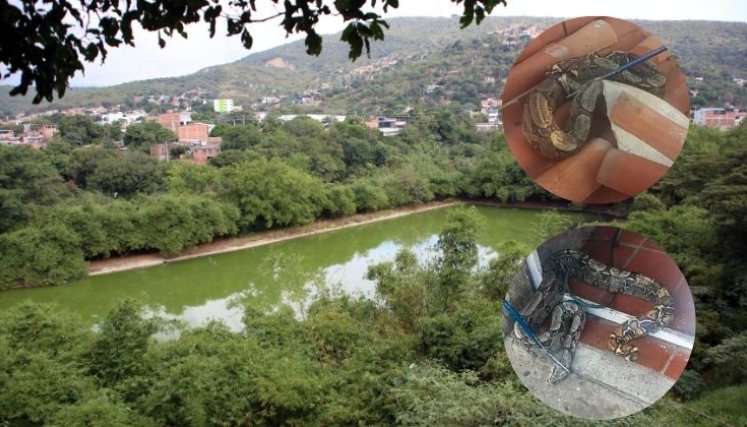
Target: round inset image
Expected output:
[599,322]
[595,109]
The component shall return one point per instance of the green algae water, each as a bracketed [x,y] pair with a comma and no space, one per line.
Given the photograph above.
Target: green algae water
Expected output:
[198,290]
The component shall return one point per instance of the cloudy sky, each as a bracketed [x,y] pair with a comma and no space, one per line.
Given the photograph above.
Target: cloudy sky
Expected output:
[180,56]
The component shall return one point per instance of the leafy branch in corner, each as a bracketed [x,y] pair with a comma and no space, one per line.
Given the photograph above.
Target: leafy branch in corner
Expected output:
[47,42]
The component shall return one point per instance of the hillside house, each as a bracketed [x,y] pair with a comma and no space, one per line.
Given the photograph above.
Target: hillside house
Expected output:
[34,136]
[186,130]
[321,118]
[270,99]
[721,118]
[202,153]
[386,125]
[6,135]
[127,118]
[173,120]
[194,132]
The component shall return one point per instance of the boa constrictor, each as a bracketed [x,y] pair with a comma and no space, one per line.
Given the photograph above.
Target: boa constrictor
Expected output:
[567,321]
[578,75]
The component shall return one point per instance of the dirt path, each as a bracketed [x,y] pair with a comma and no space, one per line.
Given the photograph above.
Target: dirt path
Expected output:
[131,262]
[612,211]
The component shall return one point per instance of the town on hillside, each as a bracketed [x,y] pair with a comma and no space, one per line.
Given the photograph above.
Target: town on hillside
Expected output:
[193,141]
[195,144]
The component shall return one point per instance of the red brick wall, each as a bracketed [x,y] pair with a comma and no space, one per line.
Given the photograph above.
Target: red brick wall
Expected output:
[200,155]
[169,121]
[193,131]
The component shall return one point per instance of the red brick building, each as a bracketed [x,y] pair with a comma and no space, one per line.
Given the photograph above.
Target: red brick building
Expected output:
[35,136]
[202,153]
[175,119]
[719,117]
[194,132]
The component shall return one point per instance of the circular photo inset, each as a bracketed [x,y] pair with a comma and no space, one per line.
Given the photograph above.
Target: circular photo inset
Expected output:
[596,109]
[599,322]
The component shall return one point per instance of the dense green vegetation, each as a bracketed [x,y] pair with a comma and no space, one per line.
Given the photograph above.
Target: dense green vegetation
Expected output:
[432,329]
[96,201]
[698,213]
[426,351]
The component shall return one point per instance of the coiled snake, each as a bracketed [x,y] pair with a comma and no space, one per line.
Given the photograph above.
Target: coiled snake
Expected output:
[578,75]
[567,321]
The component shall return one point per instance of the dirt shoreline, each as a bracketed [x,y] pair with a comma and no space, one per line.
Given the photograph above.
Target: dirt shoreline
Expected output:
[132,262]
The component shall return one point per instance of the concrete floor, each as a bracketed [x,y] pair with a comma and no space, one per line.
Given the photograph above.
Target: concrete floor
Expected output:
[601,385]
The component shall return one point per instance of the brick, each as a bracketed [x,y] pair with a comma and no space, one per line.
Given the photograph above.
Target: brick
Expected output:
[570,26]
[606,195]
[648,243]
[533,164]
[629,35]
[647,45]
[684,318]
[649,125]
[589,292]
[658,266]
[627,173]
[654,354]
[629,305]
[677,364]
[677,92]
[631,238]
[596,332]
[573,178]
[604,233]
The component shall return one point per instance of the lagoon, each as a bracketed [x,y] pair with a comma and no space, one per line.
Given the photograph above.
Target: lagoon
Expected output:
[198,290]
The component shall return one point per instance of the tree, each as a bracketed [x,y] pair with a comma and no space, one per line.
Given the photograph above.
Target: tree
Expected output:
[240,137]
[119,350]
[271,193]
[26,179]
[127,175]
[79,129]
[457,255]
[84,161]
[143,135]
[48,255]
[47,45]
[368,197]
[187,177]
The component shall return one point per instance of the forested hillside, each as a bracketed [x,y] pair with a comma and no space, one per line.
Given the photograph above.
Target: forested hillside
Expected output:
[450,65]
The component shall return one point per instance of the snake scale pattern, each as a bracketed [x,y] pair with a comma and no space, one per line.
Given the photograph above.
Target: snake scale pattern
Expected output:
[579,76]
[568,319]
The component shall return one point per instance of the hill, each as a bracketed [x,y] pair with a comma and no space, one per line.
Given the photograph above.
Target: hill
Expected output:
[407,66]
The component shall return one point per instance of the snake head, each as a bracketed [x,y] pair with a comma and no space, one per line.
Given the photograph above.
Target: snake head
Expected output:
[664,314]
[631,353]
[628,351]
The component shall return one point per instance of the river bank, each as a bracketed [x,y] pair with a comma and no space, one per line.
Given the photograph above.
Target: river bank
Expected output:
[610,211]
[135,261]
[131,262]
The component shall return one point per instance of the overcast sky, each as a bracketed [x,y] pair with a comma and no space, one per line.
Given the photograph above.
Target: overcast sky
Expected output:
[181,57]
